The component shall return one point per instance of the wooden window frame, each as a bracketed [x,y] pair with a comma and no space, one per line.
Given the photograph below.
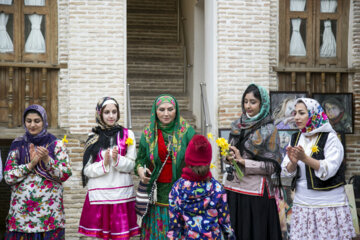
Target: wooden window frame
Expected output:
[19,12]
[313,17]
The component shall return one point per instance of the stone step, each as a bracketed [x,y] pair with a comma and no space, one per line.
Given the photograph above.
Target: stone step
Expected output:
[151,20]
[155,36]
[154,83]
[138,5]
[167,68]
[155,52]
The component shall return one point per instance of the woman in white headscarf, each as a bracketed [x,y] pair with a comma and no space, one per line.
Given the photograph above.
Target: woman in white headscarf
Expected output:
[315,157]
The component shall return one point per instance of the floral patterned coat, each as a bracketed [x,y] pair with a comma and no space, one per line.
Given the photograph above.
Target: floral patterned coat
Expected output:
[36,203]
[199,210]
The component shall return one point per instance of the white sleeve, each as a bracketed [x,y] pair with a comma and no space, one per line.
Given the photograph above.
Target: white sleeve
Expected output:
[96,169]
[126,163]
[284,171]
[334,155]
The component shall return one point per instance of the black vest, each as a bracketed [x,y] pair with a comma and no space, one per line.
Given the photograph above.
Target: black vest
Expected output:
[313,182]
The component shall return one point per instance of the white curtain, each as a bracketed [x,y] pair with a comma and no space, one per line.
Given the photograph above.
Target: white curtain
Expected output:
[35,43]
[34,2]
[5,2]
[297,47]
[6,44]
[297,5]
[328,6]
[328,47]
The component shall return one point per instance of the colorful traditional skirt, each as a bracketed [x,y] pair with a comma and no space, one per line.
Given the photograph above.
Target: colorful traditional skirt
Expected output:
[321,223]
[57,234]
[109,221]
[156,223]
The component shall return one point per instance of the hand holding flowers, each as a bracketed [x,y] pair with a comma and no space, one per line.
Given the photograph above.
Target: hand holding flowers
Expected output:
[232,154]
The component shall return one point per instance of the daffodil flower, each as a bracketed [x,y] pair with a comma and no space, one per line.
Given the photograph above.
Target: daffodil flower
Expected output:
[224,147]
[64,140]
[212,166]
[210,136]
[315,149]
[129,141]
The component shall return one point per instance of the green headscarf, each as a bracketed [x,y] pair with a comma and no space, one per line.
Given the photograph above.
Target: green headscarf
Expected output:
[177,129]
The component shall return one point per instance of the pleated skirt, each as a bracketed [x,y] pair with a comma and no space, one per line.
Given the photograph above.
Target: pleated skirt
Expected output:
[254,217]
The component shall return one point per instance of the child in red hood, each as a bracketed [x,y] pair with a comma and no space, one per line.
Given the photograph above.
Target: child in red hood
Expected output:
[198,206]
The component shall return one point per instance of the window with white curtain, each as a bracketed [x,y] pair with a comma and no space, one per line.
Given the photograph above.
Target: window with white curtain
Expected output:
[28,31]
[313,33]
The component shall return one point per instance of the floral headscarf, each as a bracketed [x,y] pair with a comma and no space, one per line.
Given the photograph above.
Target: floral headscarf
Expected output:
[101,135]
[44,139]
[318,120]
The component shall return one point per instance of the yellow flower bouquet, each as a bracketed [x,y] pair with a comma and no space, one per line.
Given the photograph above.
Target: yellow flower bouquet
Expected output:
[225,151]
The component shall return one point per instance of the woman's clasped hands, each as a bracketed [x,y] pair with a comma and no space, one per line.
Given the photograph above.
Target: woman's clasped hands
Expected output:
[295,154]
[37,155]
[111,154]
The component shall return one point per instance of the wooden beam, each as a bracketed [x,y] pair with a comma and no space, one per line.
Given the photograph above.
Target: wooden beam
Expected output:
[10,98]
[323,82]
[32,65]
[337,82]
[27,87]
[316,70]
[293,81]
[43,88]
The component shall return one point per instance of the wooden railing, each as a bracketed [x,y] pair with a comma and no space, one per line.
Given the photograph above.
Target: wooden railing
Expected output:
[313,79]
[23,84]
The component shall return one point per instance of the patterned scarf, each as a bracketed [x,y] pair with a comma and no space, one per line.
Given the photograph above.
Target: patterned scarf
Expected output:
[175,129]
[102,135]
[318,120]
[44,139]
[258,136]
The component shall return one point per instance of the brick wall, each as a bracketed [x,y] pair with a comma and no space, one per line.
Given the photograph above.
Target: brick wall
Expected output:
[247,33]
[353,140]
[92,43]
[93,46]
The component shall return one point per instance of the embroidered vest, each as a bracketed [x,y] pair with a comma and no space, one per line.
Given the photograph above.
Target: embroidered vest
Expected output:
[313,182]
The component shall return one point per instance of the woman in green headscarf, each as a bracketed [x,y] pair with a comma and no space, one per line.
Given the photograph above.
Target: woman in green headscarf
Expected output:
[167,136]
[255,149]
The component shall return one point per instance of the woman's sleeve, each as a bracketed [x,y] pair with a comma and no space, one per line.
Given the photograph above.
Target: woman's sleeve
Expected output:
[126,163]
[176,222]
[253,167]
[141,158]
[260,167]
[284,171]
[13,172]
[95,169]
[60,166]
[334,155]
